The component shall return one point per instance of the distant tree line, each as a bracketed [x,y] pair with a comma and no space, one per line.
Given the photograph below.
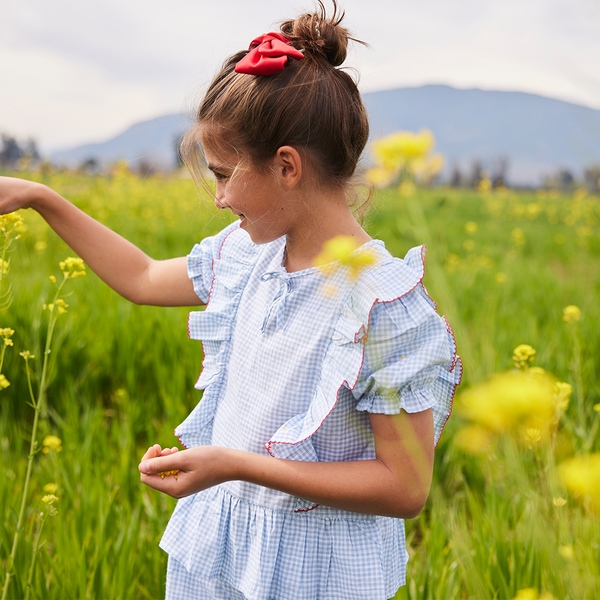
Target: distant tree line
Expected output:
[12,152]
[496,173]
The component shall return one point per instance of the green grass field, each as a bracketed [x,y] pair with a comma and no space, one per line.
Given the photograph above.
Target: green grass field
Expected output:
[502,266]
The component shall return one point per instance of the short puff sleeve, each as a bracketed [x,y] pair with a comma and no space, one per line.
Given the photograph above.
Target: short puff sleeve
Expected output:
[410,360]
[200,261]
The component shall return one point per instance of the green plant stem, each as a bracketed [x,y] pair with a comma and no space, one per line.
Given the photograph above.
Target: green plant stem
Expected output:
[2,352]
[579,383]
[33,443]
[36,547]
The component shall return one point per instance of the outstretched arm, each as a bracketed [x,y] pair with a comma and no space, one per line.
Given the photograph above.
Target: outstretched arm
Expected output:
[396,484]
[120,264]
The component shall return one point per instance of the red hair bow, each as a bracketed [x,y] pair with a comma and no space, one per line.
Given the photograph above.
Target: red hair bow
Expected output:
[268,54]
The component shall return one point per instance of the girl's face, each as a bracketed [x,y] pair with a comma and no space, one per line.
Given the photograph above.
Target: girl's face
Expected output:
[256,197]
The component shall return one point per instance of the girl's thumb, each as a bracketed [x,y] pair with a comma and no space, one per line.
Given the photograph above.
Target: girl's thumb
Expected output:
[145,467]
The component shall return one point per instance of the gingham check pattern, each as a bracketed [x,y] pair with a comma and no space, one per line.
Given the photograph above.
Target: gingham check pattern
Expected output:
[288,360]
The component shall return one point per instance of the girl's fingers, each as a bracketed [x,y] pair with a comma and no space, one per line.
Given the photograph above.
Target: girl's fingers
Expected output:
[152,452]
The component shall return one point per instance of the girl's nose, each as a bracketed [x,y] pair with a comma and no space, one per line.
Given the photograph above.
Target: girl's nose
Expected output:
[220,203]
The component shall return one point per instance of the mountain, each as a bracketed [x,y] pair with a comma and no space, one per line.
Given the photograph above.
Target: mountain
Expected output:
[151,142]
[537,135]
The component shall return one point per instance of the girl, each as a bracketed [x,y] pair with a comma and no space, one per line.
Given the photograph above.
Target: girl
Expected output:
[315,434]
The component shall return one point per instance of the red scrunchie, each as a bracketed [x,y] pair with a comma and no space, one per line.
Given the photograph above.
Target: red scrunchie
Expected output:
[268,54]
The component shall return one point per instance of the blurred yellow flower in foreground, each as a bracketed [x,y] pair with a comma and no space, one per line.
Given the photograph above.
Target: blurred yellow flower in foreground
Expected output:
[50,488]
[559,501]
[512,402]
[406,153]
[51,442]
[379,177]
[345,251]
[4,383]
[581,476]
[394,150]
[523,355]
[571,313]
[474,439]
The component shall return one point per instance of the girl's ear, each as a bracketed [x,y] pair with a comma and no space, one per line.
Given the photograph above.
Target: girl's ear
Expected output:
[289,165]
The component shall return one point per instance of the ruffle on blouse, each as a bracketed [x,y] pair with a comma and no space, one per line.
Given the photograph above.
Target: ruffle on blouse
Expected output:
[256,550]
[229,257]
[425,376]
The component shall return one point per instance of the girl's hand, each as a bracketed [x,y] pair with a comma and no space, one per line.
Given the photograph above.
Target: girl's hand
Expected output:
[17,193]
[197,469]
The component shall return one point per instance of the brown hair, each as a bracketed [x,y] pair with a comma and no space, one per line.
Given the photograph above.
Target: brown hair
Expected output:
[310,105]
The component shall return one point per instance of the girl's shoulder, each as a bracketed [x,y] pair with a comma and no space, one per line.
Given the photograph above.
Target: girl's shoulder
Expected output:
[387,278]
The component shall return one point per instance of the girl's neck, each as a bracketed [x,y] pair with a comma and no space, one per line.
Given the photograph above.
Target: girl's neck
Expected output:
[324,216]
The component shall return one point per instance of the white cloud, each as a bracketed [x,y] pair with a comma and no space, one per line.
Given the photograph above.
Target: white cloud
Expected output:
[75,72]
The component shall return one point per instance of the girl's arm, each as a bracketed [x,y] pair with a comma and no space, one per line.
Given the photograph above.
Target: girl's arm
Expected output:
[396,484]
[120,264]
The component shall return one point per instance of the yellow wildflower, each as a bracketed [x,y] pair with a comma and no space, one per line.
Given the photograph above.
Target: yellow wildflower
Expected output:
[52,279]
[532,594]
[511,401]
[343,250]
[50,499]
[62,306]
[51,442]
[500,277]
[581,476]
[9,222]
[4,383]
[474,439]
[567,551]
[4,266]
[537,371]
[597,407]
[559,501]
[518,236]
[379,177]
[26,355]
[485,185]
[532,437]
[167,473]
[563,393]
[471,227]
[522,355]
[50,488]
[407,189]
[72,267]
[571,313]
[395,150]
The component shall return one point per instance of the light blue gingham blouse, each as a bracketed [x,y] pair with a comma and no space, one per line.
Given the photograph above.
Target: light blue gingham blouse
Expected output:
[293,365]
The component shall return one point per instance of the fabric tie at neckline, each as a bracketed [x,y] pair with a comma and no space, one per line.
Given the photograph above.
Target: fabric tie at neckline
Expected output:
[277,307]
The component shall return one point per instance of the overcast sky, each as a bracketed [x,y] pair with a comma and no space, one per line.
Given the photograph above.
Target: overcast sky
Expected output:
[73,72]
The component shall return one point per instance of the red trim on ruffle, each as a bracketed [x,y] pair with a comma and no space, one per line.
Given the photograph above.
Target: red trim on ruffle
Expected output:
[299,510]
[212,283]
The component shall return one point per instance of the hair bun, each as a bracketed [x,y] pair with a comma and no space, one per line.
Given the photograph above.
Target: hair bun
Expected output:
[319,35]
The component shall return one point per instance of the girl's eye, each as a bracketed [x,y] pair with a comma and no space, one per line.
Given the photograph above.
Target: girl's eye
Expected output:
[220,176]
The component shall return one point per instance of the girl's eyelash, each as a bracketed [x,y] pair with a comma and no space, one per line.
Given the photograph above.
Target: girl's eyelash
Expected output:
[219,176]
